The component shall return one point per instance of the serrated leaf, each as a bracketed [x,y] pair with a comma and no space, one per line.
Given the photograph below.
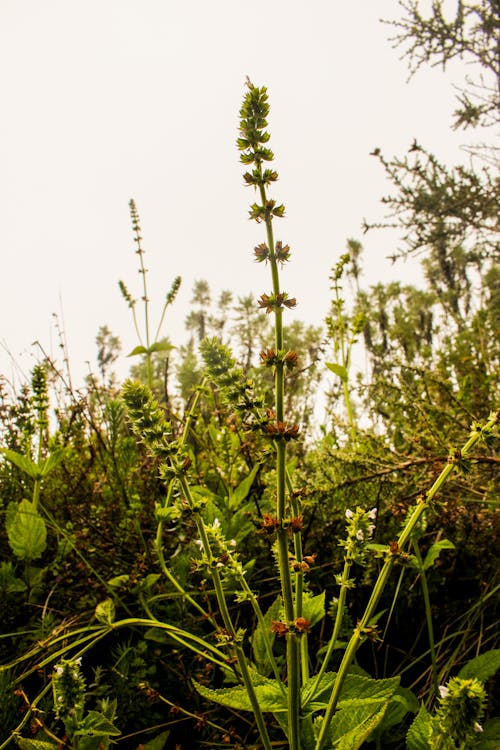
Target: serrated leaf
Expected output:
[161,346]
[350,729]
[402,702]
[137,350]
[482,667]
[268,693]
[26,531]
[95,723]
[105,612]
[435,550]
[313,607]
[24,463]
[418,737]
[27,744]
[339,370]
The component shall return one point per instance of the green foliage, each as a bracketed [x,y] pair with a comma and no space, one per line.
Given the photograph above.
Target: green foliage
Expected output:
[26,531]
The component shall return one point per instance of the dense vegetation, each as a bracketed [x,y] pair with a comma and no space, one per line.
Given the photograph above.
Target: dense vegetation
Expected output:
[197,558]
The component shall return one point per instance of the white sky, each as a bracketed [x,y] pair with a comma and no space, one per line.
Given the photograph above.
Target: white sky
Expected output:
[105,100]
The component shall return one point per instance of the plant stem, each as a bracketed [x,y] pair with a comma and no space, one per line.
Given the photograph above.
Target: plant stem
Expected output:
[428,616]
[293,651]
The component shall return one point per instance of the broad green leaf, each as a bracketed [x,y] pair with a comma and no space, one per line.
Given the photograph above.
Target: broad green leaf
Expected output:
[157,743]
[320,698]
[435,550]
[26,744]
[161,346]
[418,737]
[359,690]
[258,638]
[482,667]
[402,702]
[339,370]
[313,607]
[351,728]
[9,583]
[95,723]
[26,531]
[105,612]
[22,462]
[137,350]
[242,490]
[268,693]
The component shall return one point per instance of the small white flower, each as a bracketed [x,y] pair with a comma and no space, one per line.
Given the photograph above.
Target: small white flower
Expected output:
[79,661]
[371,529]
[216,523]
[59,670]
[372,514]
[349,513]
[360,535]
[443,691]
[232,543]
[478,728]
[59,699]
[198,543]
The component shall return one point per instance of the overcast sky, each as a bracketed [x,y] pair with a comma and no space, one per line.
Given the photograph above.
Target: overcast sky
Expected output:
[105,100]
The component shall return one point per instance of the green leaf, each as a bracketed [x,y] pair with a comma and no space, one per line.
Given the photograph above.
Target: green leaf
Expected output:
[418,737]
[157,743]
[26,744]
[435,550]
[95,723]
[313,607]
[24,463]
[161,346]
[137,350]
[268,693]
[258,638]
[241,491]
[119,581]
[105,612]
[402,702]
[46,466]
[350,729]
[482,667]
[26,531]
[339,370]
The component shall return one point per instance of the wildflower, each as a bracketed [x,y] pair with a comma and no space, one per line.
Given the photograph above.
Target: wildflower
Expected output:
[478,728]
[372,514]
[360,535]
[349,513]
[443,691]
[371,529]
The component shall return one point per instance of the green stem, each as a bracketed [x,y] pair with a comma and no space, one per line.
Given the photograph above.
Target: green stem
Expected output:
[428,616]
[293,650]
